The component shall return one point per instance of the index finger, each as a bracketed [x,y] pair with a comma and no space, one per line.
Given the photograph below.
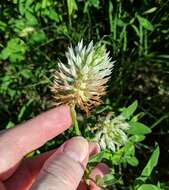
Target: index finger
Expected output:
[17,142]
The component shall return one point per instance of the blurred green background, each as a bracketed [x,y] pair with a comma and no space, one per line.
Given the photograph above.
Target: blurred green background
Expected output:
[35,34]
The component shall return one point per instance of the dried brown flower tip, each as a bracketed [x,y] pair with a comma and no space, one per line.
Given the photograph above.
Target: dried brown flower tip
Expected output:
[83,80]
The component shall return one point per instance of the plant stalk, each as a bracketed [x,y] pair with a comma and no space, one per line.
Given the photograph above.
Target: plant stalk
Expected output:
[74,120]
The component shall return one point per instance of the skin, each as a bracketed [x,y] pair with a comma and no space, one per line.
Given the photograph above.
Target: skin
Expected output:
[62,168]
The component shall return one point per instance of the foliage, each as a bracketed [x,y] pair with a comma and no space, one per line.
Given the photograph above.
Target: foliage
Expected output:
[126,156]
[36,33]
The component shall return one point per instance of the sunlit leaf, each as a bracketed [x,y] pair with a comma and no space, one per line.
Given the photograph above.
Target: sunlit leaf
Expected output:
[128,112]
[150,165]
[71,6]
[148,187]
[145,23]
[3,26]
[26,73]
[100,156]
[15,50]
[37,37]
[137,138]
[31,19]
[10,125]
[137,128]
[24,109]
[133,161]
[153,9]
[106,180]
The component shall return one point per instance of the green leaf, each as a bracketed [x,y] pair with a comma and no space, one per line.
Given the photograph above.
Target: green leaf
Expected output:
[26,73]
[4,54]
[22,6]
[91,3]
[110,16]
[137,128]
[23,110]
[150,165]
[136,30]
[71,4]
[10,125]
[128,112]
[28,4]
[153,9]
[132,161]
[52,14]
[129,149]
[121,23]
[138,116]
[26,31]
[37,37]
[31,19]
[31,154]
[15,50]
[148,187]
[137,138]
[15,1]
[106,180]
[44,4]
[117,157]
[100,156]
[94,3]
[163,56]
[3,26]
[145,23]
[5,82]
[18,24]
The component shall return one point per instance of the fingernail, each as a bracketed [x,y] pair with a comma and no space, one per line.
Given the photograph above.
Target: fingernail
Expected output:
[77,148]
[104,169]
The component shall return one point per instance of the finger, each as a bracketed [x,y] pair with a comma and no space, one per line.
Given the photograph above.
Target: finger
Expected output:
[100,170]
[64,171]
[30,168]
[27,172]
[29,136]
[94,148]
[36,163]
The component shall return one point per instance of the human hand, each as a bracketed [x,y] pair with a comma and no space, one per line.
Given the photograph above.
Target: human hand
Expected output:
[60,169]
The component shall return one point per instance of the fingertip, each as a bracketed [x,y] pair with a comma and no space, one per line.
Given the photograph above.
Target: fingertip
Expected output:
[64,170]
[94,148]
[101,169]
[77,148]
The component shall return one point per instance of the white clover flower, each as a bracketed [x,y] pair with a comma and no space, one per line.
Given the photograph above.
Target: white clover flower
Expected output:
[111,133]
[82,81]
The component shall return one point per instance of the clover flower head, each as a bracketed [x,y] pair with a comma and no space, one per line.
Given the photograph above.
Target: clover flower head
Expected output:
[82,81]
[112,132]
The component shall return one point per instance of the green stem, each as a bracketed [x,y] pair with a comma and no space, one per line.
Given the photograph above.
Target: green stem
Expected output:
[74,119]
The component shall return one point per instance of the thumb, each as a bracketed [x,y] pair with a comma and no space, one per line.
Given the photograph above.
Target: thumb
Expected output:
[64,171]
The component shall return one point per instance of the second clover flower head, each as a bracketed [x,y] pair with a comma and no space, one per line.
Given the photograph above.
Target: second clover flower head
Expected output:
[82,80]
[111,132]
